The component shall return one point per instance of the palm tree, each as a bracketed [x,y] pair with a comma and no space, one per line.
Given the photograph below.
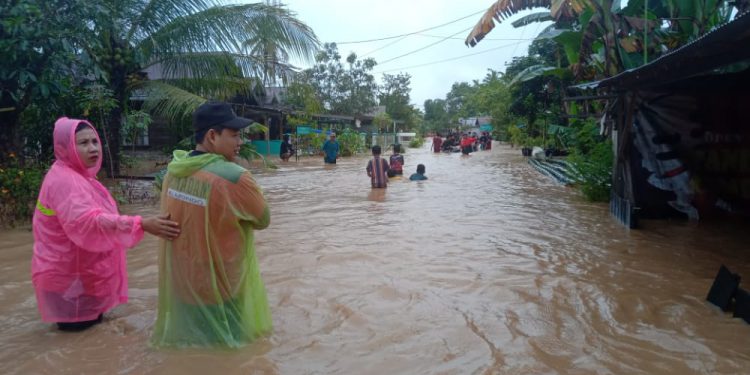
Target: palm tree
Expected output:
[190,50]
[274,43]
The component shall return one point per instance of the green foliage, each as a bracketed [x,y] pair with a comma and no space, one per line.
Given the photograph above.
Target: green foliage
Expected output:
[302,96]
[136,123]
[250,153]
[38,40]
[36,125]
[314,141]
[200,49]
[417,142]
[350,142]
[37,57]
[517,136]
[19,188]
[383,121]
[97,101]
[530,73]
[592,158]
[493,98]
[343,89]
[394,95]
[435,116]
[458,101]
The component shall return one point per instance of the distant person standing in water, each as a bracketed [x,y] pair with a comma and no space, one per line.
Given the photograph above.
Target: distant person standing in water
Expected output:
[437,143]
[467,144]
[78,266]
[419,176]
[396,162]
[377,169]
[287,149]
[331,149]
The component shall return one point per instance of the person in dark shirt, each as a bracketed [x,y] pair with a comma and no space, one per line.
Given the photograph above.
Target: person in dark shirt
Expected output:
[287,149]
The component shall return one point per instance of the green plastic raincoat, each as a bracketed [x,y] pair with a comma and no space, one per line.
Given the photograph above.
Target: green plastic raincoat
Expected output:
[210,289]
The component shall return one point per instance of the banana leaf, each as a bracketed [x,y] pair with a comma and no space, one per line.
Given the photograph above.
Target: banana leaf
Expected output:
[531,18]
[530,73]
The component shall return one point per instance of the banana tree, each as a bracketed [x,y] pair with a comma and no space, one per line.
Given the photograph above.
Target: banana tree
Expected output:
[601,38]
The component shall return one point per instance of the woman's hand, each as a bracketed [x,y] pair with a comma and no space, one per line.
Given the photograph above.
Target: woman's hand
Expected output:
[161,226]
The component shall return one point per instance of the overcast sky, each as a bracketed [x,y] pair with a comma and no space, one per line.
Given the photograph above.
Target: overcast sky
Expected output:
[343,21]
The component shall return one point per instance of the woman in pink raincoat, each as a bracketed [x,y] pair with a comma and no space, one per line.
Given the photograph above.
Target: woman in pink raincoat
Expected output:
[78,268]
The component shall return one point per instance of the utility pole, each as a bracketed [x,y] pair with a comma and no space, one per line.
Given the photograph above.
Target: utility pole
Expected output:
[395,135]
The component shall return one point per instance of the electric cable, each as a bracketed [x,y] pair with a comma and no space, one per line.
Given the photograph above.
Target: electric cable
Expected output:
[412,33]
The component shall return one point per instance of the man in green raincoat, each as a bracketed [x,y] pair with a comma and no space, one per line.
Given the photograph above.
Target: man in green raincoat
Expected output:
[210,289]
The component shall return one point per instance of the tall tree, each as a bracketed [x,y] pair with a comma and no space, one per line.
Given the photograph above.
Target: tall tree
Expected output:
[459,101]
[38,39]
[302,96]
[394,95]
[493,97]
[361,85]
[435,115]
[192,50]
[343,89]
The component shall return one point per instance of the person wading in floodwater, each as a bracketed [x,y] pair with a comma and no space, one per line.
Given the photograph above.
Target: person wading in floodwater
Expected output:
[377,169]
[331,149]
[210,289]
[78,267]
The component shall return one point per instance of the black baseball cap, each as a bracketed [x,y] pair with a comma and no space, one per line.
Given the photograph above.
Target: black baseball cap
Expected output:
[212,114]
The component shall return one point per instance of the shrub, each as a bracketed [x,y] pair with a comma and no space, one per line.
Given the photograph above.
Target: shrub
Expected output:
[350,142]
[417,142]
[592,158]
[19,188]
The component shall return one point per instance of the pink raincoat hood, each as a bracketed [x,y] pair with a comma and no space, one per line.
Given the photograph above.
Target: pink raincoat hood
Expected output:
[64,138]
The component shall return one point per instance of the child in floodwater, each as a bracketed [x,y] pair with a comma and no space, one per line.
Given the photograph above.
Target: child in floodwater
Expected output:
[419,176]
[377,169]
[396,162]
[78,267]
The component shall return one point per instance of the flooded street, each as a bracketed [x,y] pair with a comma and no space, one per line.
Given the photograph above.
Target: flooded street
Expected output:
[486,268]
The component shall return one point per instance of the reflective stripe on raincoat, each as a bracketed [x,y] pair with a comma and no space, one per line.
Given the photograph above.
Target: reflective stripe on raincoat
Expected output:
[210,289]
[78,267]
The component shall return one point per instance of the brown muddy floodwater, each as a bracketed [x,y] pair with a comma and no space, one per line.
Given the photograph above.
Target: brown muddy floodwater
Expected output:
[487,268]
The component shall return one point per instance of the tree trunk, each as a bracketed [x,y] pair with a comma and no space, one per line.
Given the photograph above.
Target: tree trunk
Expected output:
[114,120]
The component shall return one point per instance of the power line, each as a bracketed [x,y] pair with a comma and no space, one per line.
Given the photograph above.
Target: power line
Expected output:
[523,30]
[387,45]
[412,33]
[423,48]
[446,60]
[503,39]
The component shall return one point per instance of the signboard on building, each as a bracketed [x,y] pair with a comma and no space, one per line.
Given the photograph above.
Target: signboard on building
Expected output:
[302,130]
